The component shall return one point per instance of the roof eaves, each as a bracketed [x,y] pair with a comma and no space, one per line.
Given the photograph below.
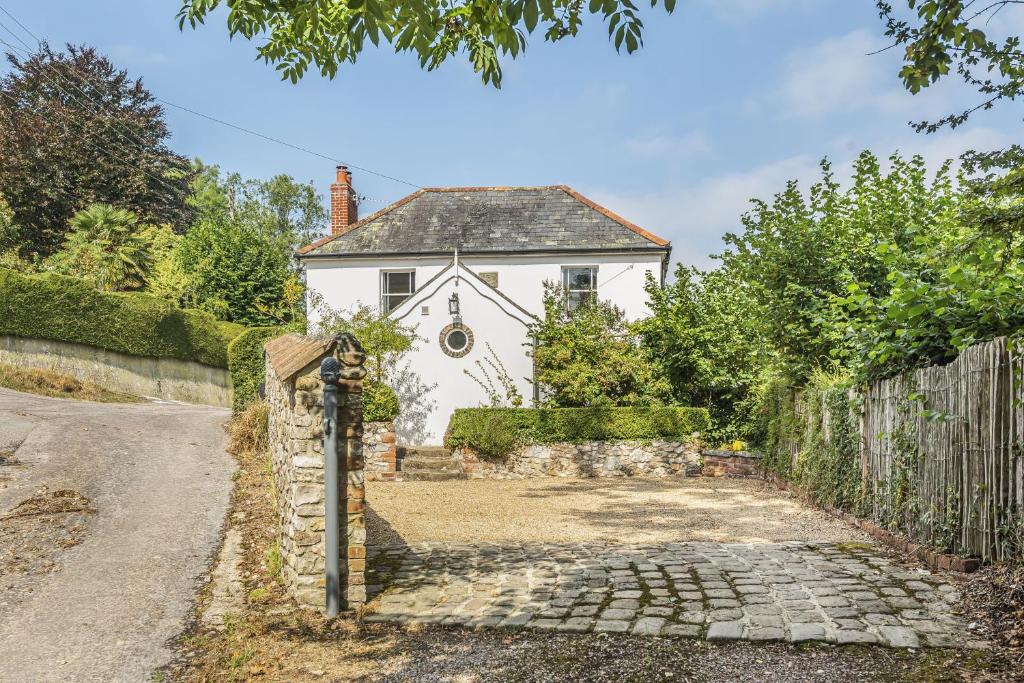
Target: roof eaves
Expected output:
[608,213]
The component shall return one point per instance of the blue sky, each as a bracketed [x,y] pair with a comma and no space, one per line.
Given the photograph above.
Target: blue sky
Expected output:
[727,100]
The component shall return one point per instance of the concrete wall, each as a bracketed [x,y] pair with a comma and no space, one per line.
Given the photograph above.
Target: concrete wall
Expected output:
[166,378]
[344,283]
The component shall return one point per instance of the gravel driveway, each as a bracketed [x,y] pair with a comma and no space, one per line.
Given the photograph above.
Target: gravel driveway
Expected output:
[583,510]
[118,586]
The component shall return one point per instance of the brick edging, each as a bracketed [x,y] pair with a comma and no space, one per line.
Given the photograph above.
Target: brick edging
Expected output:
[935,560]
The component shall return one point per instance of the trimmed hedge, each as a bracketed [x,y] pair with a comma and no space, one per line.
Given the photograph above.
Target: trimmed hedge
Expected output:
[68,309]
[246,364]
[380,402]
[477,427]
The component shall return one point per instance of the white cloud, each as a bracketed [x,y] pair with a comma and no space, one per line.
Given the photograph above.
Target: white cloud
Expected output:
[839,74]
[693,144]
[696,216]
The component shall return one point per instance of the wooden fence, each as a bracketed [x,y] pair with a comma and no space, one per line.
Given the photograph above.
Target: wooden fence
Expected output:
[941,452]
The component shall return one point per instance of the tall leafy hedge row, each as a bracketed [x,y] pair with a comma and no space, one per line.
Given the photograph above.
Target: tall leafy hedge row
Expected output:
[246,364]
[68,309]
[479,427]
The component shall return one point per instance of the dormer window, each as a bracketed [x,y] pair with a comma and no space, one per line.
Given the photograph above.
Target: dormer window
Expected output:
[395,287]
[580,284]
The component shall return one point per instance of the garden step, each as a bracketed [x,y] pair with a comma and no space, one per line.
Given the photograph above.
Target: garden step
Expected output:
[432,452]
[436,464]
[428,475]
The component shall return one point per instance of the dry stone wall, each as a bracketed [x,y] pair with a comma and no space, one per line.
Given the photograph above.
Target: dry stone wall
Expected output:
[296,420]
[380,451]
[589,459]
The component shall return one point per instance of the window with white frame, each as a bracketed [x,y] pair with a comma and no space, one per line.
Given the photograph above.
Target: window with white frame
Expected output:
[395,287]
[580,284]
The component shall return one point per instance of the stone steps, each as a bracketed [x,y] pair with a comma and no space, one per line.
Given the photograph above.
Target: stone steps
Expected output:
[427,463]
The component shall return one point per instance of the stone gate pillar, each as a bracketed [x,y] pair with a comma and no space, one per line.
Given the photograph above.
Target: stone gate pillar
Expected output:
[296,430]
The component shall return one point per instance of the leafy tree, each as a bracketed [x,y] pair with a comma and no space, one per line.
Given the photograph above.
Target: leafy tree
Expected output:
[384,339]
[950,35]
[106,247]
[328,33]
[167,278]
[799,255]
[75,131]
[589,356]
[289,213]
[705,331]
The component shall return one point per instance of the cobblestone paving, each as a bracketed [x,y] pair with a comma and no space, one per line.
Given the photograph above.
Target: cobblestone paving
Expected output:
[786,591]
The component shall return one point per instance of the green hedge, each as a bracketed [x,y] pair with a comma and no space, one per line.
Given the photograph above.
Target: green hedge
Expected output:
[71,310]
[246,364]
[480,427]
[380,402]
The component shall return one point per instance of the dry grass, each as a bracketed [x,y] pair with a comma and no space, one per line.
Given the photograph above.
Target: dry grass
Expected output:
[580,510]
[247,431]
[50,383]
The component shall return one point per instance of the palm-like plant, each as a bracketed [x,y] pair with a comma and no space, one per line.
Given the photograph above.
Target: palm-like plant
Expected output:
[105,246]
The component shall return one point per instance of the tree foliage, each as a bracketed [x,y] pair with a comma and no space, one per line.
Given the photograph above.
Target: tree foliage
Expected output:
[589,356]
[384,339]
[328,33]
[951,35]
[75,131]
[705,331]
[106,247]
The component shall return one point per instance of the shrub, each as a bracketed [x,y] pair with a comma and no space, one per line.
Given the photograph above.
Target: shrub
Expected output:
[479,428]
[380,402]
[247,431]
[246,364]
[69,309]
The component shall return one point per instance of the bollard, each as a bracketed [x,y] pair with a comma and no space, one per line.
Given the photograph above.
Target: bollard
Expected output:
[330,371]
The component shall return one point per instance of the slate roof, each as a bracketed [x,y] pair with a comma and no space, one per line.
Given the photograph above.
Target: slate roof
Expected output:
[489,219]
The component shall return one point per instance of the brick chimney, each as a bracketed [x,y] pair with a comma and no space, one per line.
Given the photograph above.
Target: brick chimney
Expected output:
[343,202]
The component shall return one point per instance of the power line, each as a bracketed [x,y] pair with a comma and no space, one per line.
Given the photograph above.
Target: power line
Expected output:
[227,123]
[287,144]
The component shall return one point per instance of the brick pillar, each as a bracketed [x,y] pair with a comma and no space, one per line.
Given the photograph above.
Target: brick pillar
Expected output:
[350,446]
[344,212]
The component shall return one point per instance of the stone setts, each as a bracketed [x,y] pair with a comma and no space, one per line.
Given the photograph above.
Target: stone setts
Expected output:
[380,451]
[794,591]
[296,415]
[589,459]
[726,463]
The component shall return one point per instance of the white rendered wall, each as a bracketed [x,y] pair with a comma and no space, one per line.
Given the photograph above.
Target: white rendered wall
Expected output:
[344,283]
[432,384]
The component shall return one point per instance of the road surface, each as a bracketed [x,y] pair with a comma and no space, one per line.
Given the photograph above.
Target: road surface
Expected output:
[160,481]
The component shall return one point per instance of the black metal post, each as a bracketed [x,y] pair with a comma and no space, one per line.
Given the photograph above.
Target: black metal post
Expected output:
[329,372]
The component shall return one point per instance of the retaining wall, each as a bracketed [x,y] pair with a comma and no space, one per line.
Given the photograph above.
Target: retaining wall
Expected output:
[167,378]
[588,459]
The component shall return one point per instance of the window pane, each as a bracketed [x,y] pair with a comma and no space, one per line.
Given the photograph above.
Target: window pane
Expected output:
[579,278]
[398,283]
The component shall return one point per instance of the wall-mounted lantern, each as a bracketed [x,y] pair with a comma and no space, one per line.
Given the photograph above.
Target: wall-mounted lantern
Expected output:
[453,309]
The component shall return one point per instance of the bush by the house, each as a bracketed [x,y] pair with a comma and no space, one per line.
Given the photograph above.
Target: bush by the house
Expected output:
[71,310]
[479,428]
[246,364]
[380,402]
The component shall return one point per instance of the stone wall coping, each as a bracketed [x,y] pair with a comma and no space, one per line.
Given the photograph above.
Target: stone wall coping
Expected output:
[731,454]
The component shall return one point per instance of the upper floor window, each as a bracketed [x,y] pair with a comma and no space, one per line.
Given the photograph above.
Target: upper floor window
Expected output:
[580,284]
[395,287]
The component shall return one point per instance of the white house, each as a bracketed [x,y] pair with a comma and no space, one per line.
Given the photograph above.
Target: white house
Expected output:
[466,266]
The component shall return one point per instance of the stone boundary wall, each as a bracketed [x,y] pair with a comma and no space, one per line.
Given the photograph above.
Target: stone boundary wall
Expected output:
[731,464]
[380,451]
[296,431]
[166,378]
[589,459]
